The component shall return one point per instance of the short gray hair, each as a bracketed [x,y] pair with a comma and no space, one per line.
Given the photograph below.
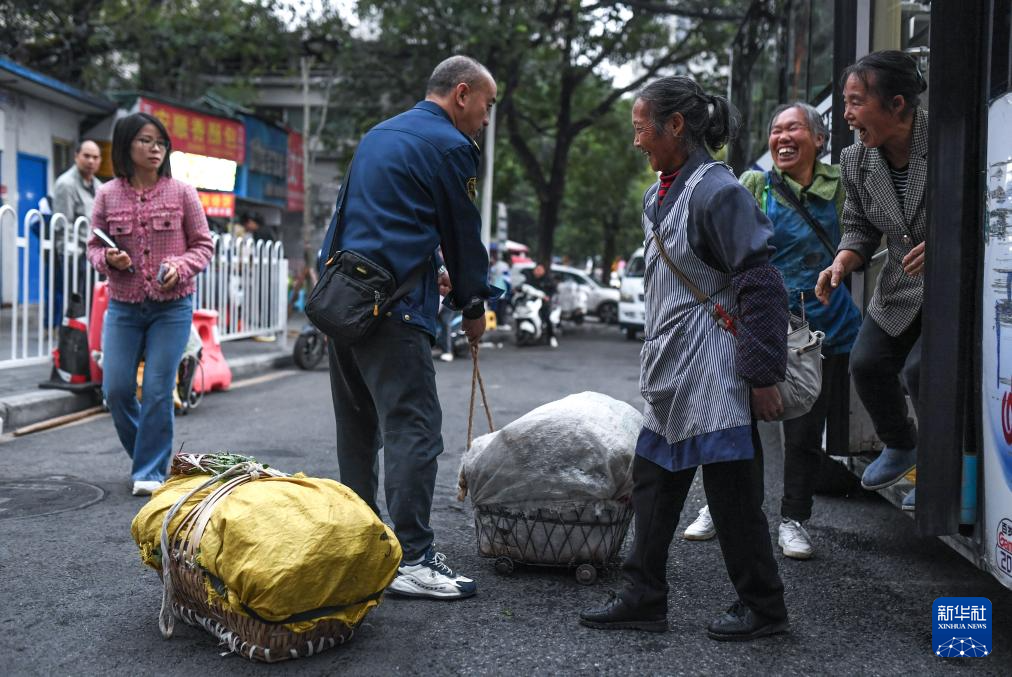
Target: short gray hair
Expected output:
[453,71]
[816,125]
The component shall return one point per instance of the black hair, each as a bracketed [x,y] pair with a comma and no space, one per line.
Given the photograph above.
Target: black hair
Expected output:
[895,74]
[452,71]
[123,138]
[709,119]
[77,149]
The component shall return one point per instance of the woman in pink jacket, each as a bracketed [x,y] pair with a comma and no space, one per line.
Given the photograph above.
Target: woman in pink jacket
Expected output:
[162,243]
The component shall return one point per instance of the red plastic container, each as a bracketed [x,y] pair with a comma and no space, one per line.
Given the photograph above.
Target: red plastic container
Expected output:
[99,304]
[214,374]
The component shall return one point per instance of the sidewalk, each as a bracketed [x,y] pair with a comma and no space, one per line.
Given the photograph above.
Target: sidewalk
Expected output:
[23,403]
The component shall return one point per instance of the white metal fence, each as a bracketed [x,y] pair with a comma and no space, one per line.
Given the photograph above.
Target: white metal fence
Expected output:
[246,282]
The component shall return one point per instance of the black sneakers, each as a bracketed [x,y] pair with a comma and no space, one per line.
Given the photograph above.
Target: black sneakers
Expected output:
[617,615]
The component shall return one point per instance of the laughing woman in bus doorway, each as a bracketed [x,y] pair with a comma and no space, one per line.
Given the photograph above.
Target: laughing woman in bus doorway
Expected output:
[162,244]
[885,175]
[803,199]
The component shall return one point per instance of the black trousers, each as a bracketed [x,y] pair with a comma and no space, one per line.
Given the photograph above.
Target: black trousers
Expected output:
[384,392]
[877,362]
[803,453]
[734,492]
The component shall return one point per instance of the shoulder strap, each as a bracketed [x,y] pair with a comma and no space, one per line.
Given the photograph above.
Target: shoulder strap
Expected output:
[722,317]
[331,239]
[781,187]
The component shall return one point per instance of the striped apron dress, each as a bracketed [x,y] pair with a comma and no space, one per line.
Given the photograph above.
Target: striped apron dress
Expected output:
[687,364]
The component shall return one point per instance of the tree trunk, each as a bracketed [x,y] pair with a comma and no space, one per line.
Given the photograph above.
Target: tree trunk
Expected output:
[611,227]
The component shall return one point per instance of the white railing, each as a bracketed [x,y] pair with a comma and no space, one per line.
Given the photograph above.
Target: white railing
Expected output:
[246,282]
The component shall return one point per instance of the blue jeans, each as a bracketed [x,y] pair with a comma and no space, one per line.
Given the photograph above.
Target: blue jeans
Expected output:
[157,332]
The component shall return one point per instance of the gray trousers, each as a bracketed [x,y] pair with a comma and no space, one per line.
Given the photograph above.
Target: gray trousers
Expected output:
[384,392]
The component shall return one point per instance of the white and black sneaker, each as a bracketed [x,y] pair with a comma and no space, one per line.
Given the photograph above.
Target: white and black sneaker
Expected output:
[431,579]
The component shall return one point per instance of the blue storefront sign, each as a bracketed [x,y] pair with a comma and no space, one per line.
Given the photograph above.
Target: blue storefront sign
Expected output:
[263,176]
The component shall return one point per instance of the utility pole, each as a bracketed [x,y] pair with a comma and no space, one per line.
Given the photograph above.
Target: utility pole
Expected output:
[307,210]
[486,182]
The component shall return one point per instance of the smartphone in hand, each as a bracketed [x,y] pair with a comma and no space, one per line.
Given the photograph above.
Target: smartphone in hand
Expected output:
[163,271]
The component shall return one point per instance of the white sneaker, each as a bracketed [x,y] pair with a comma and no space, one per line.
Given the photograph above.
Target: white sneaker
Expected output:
[431,579]
[553,342]
[702,528]
[795,540]
[446,357]
[145,487]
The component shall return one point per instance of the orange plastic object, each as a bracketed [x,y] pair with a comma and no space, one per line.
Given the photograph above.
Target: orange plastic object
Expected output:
[99,304]
[214,374]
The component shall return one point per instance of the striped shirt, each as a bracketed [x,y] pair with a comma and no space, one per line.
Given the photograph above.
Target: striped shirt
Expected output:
[899,177]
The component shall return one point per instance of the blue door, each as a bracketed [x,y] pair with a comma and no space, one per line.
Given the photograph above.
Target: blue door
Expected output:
[31,189]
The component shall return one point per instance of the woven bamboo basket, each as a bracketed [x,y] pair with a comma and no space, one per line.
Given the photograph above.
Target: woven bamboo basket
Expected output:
[185,587]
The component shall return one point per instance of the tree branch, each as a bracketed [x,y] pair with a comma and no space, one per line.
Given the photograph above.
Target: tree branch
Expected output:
[660,7]
[527,158]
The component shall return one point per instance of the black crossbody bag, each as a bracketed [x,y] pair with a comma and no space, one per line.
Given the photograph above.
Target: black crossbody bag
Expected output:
[354,293]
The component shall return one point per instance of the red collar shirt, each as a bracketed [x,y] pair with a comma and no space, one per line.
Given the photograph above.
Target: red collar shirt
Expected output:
[161,224]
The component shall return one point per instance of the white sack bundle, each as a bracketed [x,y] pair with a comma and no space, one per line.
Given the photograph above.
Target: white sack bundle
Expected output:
[572,451]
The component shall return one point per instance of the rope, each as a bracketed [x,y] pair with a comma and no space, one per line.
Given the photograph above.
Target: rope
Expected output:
[477,379]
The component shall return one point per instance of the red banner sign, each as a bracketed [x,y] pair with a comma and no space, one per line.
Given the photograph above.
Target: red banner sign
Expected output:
[296,186]
[198,133]
[218,204]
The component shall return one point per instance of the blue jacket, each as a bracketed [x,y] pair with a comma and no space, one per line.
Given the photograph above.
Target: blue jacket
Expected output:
[410,189]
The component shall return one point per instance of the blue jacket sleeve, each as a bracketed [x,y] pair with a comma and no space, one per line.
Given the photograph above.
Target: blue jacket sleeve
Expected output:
[460,230]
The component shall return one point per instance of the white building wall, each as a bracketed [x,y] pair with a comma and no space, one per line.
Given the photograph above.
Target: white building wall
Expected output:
[29,126]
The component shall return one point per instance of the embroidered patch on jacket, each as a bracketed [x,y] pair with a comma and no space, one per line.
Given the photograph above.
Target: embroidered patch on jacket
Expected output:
[472,188]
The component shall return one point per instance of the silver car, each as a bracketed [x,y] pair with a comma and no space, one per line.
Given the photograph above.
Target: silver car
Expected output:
[602,301]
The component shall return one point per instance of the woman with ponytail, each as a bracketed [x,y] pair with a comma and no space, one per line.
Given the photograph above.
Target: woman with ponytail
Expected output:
[708,369]
[885,175]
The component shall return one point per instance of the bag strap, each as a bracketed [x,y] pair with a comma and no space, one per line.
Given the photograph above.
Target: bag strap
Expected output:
[722,317]
[331,239]
[781,187]
[409,283]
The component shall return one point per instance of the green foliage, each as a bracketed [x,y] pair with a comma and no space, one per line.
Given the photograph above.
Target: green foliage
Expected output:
[153,45]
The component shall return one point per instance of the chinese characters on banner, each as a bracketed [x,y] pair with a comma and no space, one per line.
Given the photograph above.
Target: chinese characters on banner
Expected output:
[198,133]
[221,205]
[295,169]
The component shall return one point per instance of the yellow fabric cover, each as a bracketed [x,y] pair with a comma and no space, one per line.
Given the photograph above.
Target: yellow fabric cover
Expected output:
[282,546]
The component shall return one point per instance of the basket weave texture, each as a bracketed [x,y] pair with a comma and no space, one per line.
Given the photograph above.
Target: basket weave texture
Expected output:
[554,536]
[242,634]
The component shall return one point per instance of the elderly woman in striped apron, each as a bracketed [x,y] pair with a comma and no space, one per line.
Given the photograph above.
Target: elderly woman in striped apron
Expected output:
[709,367]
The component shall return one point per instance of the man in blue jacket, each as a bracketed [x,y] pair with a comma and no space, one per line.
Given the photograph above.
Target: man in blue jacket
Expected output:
[411,189]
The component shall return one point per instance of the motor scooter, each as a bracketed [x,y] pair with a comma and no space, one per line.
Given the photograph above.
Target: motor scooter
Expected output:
[527,304]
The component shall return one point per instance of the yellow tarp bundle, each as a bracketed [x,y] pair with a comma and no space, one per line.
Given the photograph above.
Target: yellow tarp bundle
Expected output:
[282,546]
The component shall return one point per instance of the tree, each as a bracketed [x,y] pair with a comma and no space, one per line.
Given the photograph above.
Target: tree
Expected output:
[161,46]
[549,57]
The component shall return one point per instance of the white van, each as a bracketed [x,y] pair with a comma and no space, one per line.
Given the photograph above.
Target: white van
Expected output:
[630,302]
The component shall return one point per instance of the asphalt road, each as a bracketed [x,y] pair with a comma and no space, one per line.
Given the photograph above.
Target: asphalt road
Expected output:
[75,599]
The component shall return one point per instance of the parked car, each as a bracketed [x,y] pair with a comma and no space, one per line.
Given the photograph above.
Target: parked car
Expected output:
[601,301]
[630,306]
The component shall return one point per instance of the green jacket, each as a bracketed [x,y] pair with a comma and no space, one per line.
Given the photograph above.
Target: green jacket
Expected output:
[826,184]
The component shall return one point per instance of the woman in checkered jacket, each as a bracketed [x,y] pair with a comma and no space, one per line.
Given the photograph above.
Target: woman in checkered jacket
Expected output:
[885,176]
[162,243]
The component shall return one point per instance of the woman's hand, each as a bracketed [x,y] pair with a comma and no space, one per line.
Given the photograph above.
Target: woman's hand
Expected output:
[766,403]
[171,277]
[913,263]
[118,259]
[829,279]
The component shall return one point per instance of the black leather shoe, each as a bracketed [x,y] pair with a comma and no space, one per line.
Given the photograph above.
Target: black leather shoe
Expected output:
[617,615]
[739,624]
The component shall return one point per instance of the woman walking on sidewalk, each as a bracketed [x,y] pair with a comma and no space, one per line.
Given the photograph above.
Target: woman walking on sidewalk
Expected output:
[162,244]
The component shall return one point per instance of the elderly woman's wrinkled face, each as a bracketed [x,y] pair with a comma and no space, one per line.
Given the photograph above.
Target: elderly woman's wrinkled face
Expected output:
[864,111]
[793,145]
[661,148]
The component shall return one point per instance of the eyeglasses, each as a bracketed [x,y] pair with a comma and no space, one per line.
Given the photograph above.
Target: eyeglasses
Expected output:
[148,142]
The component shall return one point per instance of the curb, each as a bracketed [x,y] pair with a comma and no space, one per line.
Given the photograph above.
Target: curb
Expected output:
[24,409]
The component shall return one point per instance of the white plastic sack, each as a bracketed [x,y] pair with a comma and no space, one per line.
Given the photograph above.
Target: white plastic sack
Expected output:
[573,451]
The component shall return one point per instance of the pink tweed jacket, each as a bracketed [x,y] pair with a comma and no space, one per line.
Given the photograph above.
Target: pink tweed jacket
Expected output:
[164,223]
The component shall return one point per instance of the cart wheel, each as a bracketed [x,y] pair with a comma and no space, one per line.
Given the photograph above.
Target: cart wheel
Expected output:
[586,574]
[504,565]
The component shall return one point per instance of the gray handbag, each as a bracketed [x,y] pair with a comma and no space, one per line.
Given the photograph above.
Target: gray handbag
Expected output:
[803,382]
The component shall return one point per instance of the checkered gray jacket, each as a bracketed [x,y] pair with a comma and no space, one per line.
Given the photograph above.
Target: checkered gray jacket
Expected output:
[872,209]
